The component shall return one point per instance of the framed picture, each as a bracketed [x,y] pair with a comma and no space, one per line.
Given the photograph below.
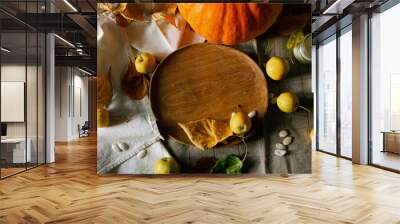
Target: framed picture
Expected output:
[204,88]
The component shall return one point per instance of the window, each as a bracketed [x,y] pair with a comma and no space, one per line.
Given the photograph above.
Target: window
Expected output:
[345,43]
[327,96]
[22,75]
[334,108]
[385,89]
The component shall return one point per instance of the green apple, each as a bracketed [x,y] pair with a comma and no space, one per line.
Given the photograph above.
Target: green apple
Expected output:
[145,63]
[240,123]
[277,68]
[287,102]
[166,165]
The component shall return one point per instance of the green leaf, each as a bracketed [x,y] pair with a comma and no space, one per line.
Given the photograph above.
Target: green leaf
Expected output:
[219,166]
[234,165]
[231,164]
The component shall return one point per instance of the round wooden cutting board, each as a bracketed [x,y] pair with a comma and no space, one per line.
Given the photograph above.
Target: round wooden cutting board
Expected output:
[205,81]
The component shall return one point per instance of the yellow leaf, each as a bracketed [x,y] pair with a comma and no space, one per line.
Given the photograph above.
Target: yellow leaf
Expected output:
[147,11]
[206,133]
[163,16]
[116,7]
[104,90]
[133,11]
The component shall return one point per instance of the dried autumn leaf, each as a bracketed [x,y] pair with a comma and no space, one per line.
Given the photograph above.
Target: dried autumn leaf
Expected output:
[104,90]
[133,12]
[150,11]
[134,84]
[102,7]
[168,8]
[206,133]
[103,117]
[116,7]
[164,16]
[136,88]
[121,21]
[111,7]
[165,11]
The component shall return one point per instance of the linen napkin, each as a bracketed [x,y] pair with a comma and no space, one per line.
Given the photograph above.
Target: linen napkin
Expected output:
[160,37]
[140,133]
[131,121]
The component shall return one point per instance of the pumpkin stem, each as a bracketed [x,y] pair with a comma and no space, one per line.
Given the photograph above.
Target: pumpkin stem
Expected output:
[239,107]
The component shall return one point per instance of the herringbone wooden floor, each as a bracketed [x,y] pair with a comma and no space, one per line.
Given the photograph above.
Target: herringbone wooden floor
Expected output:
[70,191]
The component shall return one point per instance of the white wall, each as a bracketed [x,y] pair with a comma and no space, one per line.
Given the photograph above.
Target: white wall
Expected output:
[16,73]
[12,73]
[61,103]
[33,127]
[70,83]
[80,103]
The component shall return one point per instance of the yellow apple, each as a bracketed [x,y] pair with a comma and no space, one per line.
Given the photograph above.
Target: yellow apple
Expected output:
[145,63]
[287,102]
[240,123]
[277,68]
[103,117]
[166,165]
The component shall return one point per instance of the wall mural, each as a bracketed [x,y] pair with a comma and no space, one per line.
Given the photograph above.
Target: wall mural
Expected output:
[204,88]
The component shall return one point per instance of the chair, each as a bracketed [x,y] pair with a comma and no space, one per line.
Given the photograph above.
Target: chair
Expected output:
[84,130]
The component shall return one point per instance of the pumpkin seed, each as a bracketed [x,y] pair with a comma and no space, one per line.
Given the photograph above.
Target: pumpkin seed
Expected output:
[252,114]
[283,133]
[115,147]
[142,154]
[280,152]
[123,146]
[287,140]
[280,146]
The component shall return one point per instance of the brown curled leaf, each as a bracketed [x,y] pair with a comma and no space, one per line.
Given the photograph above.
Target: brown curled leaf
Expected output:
[121,21]
[133,12]
[116,7]
[164,16]
[150,11]
[134,84]
[111,7]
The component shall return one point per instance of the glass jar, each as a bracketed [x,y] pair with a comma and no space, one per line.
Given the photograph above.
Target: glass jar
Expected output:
[302,52]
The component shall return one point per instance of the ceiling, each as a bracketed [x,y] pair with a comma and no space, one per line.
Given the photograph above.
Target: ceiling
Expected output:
[332,15]
[75,21]
[72,20]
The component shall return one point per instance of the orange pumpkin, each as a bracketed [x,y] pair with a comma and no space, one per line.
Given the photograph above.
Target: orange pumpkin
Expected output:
[230,23]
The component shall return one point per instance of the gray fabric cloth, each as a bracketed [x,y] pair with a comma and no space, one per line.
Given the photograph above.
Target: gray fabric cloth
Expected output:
[140,133]
[131,121]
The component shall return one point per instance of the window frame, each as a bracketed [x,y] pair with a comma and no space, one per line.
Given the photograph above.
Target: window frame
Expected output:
[381,9]
[31,30]
[334,37]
